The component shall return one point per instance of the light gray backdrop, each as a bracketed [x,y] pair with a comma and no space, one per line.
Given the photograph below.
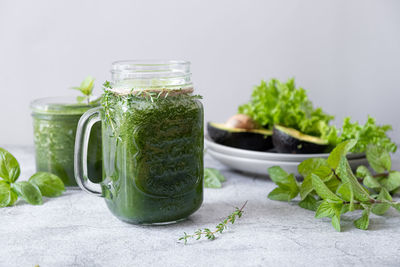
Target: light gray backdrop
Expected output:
[345,52]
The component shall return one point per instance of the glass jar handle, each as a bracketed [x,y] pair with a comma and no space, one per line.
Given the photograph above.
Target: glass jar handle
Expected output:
[86,122]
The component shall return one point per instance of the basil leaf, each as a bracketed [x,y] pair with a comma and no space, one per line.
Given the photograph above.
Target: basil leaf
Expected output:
[29,192]
[213,178]
[50,185]
[9,166]
[5,194]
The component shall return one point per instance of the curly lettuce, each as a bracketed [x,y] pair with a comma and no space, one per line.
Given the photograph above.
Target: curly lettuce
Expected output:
[282,103]
[275,102]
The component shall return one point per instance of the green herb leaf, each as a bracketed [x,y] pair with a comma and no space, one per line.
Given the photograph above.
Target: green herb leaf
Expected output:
[378,158]
[280,194]
[322,190]
[362,172]
[381,208]
[310,165]
[50,185]
[277,174]
[86,86]
[306,187]
[324,210]
[336,222]
[29,192]
[392,182]
[309,203]
[7,197]
[213,178]
[9,166]
[363,222]
[81,99]
[340,151]
[346,174]
[396,206]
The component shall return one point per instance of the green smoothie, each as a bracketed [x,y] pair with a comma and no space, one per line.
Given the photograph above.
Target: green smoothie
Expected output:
[152,156]
[54,125]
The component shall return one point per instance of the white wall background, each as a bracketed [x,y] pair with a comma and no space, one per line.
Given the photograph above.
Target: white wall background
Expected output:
[345,52]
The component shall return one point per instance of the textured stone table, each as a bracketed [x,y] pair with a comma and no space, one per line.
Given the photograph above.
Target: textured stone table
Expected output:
[76,229]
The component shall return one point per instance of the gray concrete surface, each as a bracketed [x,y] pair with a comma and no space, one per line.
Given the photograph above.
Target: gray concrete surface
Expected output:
[76,229]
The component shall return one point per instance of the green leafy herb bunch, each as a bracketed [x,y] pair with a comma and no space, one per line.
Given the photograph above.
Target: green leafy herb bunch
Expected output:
[32,191]
[331,189]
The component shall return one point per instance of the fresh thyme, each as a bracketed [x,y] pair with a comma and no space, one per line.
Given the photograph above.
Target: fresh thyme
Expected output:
[211,235]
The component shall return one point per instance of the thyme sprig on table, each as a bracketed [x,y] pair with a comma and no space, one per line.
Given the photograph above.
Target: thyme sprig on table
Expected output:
[211,235]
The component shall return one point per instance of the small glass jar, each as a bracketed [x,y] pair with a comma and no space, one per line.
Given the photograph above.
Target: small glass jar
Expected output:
[152,133]
[55,120]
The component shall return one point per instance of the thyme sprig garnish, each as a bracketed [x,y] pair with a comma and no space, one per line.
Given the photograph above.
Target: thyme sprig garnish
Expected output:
[211,235]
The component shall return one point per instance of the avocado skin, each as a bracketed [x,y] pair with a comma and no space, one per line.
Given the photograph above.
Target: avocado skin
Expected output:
[285,143]
[244,140]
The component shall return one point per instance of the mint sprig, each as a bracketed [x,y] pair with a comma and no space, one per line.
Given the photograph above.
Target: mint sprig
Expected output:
[213,178]
[32,191]
[86,88]
[331,189]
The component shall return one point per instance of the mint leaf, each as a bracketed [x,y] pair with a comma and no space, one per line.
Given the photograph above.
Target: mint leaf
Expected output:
[378,158]
[392,182]
[336,222]
[50,185]
[363,222]
[213,178]
[381,208]
[340,151]
[277,174]
[29,192]
[9,166]
[309,165]
[309,203]
[80,99]
[322,190]
[346,174]
[280,194]
[325,209]
[306,187]
[396,206]
[371,182]
[6,194]
[86,86]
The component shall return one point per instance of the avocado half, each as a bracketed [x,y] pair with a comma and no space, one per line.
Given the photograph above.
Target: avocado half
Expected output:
[289,140]
[255,139]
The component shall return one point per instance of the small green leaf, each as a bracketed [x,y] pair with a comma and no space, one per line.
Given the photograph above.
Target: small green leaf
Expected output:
[322,190]
[306,187]
[346,174]
[280,194]
[213,178]
[81,99]
[371,182]
[277,174]
[392,182]
[362,171]
[381,208]
[363,222]
[340,150]
[396,206]
[324,210]
[309,203]
[5,194]
[309,165]
[378,158]
[50,185]
[9,166]
[29,192]
[336,222]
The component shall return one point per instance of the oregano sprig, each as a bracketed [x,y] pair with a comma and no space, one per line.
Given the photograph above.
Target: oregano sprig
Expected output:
[219,229]
[331,189]
[32,191]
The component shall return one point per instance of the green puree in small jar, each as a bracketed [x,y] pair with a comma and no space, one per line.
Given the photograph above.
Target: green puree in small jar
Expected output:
[55,121]
[153,156]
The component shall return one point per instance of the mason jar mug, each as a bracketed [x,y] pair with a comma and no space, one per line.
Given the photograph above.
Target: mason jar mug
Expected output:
[152,141]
